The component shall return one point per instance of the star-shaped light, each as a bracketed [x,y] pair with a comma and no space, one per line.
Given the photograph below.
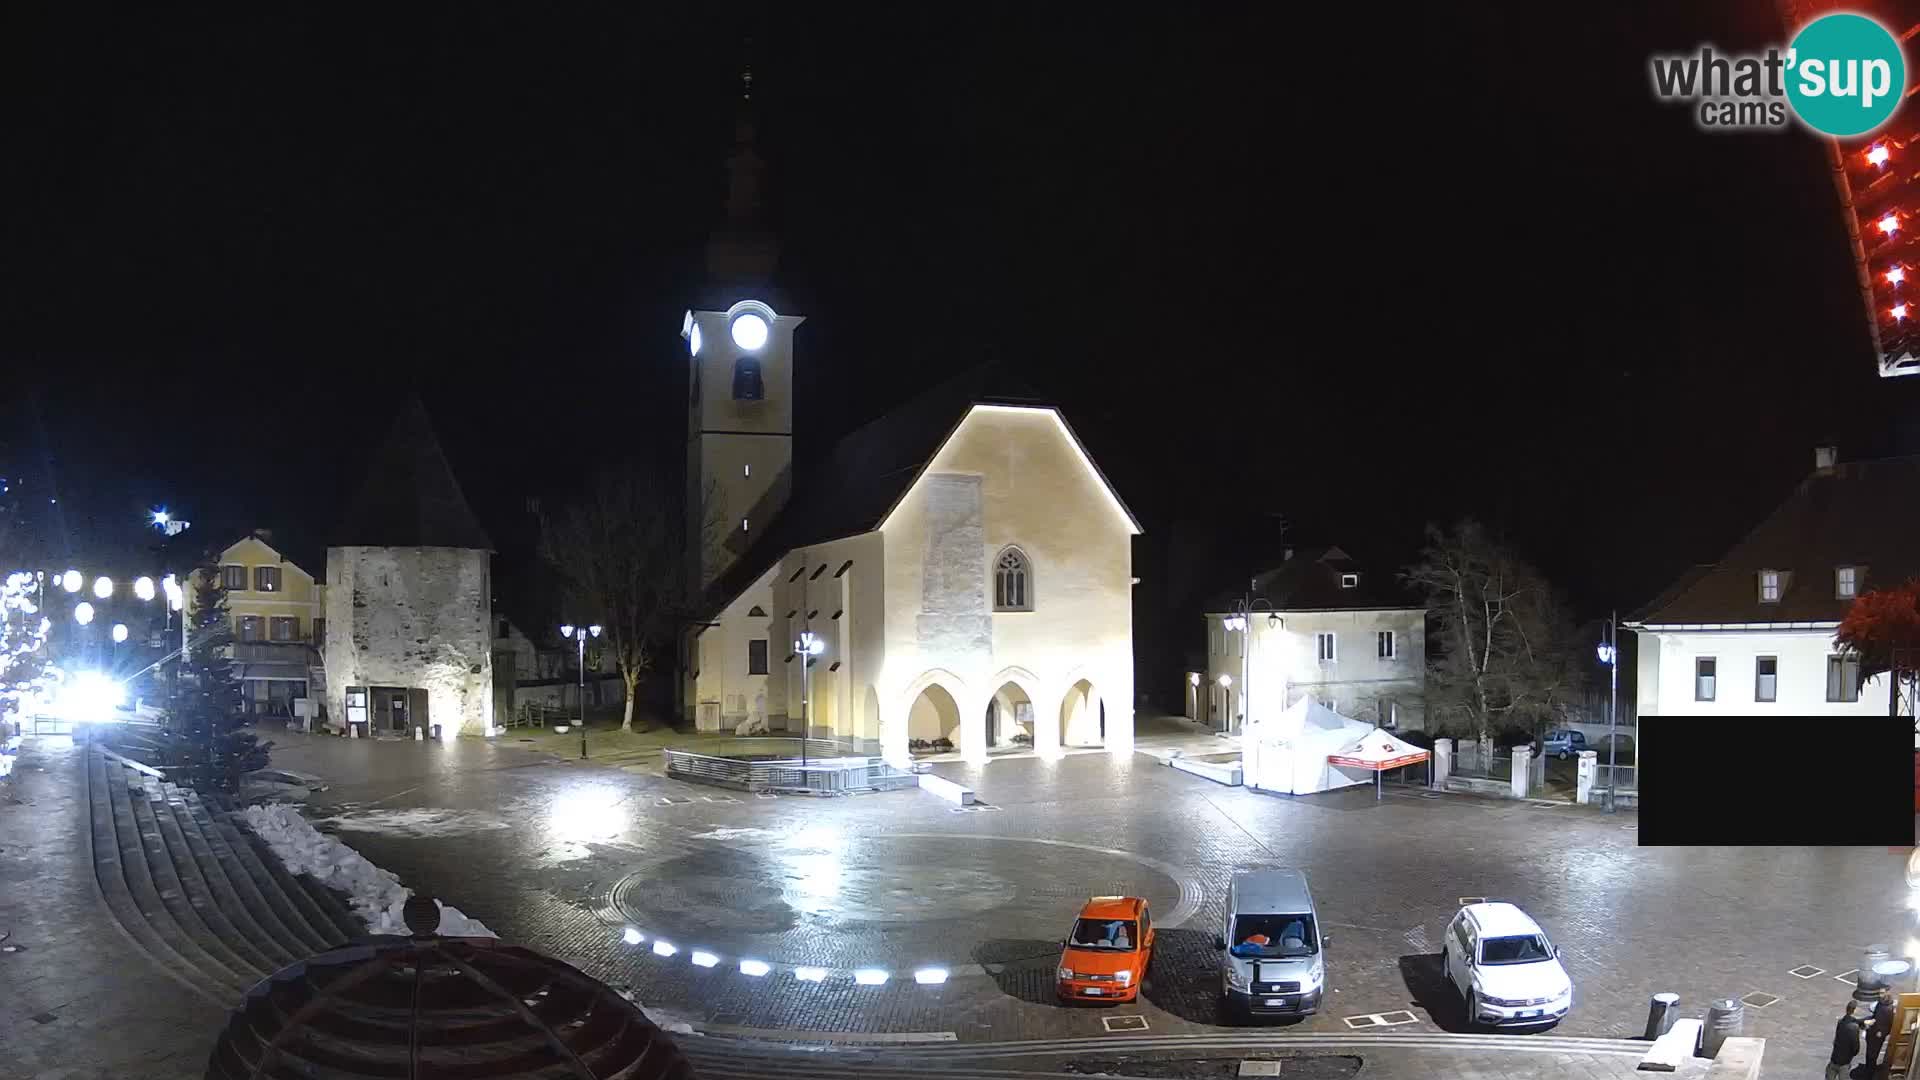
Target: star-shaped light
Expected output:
[1878,155]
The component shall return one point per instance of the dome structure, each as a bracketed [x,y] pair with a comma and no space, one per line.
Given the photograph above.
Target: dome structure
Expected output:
[439,1008]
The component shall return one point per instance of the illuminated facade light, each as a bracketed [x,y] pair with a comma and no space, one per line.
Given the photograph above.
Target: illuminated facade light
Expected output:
[1889,224]
[810,974]
[870,977]
[693,340]
[1878,155]
[702,958]
[755,968]
[932,976]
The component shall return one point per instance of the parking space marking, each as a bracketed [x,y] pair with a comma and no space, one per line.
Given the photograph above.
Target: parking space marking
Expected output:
[1124,1023]
[1806,971]
[1847,977]
[1365,1021]
[1758,1000]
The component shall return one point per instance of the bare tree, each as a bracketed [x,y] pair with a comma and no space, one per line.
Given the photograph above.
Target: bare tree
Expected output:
[1506,655]
[622,550]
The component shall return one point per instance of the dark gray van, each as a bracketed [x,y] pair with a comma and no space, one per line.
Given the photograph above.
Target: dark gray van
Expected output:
[1272,947]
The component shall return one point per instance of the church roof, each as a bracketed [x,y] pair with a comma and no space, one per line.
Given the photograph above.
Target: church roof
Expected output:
[410,498]
[1863,514]
[868,472]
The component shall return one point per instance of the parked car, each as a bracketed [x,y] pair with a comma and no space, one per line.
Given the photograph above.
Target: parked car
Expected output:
[1563,743]
[1106,956]
[1504,968]
[1273,949]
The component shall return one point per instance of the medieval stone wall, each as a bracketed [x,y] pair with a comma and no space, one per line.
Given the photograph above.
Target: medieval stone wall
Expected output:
[415,617]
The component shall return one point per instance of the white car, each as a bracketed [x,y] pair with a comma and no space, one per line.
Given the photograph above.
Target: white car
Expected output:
[1504,968]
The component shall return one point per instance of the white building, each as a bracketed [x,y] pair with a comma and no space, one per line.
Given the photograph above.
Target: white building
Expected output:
[1323,627]
[962,564]
[409,597]
[1753,633]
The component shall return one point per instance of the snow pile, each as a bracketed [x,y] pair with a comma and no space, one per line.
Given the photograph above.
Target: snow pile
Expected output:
[375,895]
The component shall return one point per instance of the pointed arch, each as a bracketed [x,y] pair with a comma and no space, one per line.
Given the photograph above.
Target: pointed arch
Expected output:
[1013,580]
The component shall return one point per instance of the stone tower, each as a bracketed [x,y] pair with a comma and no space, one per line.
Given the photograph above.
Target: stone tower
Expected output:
[740,352]
[409,596]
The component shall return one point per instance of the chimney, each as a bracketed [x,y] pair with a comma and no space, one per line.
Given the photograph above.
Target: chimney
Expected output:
[1824,458]
[265,535]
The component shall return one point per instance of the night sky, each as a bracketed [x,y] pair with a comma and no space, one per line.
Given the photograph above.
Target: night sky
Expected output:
[1359,271]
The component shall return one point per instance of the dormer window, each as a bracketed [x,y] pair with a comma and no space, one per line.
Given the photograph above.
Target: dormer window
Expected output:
[1349,581]
[1770,586]
[1846,582]
[747,384]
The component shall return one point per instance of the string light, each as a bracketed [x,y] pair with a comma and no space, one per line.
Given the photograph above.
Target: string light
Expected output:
[1899,311]
[1878,155]
[1896,275]
[1889,224]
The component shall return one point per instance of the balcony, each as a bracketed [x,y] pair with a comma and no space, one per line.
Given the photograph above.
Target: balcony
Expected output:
[269,652]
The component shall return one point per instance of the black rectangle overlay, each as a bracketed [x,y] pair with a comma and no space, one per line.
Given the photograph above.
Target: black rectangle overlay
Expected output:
[1758,781]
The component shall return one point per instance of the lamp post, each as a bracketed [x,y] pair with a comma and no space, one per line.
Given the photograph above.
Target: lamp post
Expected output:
[1239,618]
[809,646]
[580,635]
[1609,652]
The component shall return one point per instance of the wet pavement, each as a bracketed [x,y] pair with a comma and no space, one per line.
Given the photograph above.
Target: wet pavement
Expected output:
[568,857]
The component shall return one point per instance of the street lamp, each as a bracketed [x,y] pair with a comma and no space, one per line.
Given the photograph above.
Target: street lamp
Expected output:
[1609,653]
[1239,617]
[809,646]
[143,588]
[580,635]
[102,587]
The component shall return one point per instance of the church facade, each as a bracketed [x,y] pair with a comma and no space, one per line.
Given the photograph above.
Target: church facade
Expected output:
[956,574]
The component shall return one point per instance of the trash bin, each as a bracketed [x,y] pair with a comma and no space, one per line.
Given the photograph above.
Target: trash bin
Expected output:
[1661,1014]
[1724,1018]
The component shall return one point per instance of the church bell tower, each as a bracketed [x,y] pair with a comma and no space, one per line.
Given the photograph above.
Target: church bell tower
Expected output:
[740,355]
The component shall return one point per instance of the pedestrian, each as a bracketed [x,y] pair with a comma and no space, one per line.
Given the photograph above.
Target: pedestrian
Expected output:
[1846,1044]
[1881,1026]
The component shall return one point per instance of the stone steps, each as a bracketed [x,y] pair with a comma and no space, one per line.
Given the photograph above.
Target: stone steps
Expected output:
[202,897]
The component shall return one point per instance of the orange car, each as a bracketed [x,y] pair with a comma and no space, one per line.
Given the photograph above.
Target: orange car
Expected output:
[1106,957]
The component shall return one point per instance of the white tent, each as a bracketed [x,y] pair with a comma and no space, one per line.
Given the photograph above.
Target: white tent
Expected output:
[1289,752]
[1375,753]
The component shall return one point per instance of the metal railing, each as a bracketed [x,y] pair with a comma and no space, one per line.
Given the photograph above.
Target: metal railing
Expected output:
[817,776]
[1604,774]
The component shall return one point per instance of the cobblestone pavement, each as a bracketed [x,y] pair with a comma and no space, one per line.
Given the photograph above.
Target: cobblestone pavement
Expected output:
[77,1001]
[565,857]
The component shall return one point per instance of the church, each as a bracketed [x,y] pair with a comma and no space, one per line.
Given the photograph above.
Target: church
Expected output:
[955,575]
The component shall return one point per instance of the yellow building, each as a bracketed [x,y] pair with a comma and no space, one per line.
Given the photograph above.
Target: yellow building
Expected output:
[278,616]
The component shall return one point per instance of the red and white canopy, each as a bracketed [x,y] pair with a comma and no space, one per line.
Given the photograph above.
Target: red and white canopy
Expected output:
[1378,751]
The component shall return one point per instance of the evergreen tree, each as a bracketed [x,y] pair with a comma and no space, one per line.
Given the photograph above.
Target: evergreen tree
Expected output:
[205,723]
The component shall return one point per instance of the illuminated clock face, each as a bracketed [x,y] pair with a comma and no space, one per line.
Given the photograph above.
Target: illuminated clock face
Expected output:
[693,339]
[749,331]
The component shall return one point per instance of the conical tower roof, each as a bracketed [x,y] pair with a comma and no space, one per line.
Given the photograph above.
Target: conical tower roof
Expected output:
[410,498]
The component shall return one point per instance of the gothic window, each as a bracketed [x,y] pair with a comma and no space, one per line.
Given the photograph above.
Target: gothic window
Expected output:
[1012,581]
[747,384]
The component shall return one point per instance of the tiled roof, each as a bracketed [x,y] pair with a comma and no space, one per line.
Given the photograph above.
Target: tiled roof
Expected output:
[1863,514]
[411,498]
[1310,580]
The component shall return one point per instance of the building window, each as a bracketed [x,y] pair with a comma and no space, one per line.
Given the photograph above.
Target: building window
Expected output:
[233,578]
[500,628]
[249,628]
[757,656]
[1846,582]
[1323,644]
[1843,678]
[266,579]
[1766,678]
[1349,581]
[1012,581]
[1703,678]
[1769,586]
[747,383]
[1389,713]
[284,628]
[1386,644]
[319,631]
